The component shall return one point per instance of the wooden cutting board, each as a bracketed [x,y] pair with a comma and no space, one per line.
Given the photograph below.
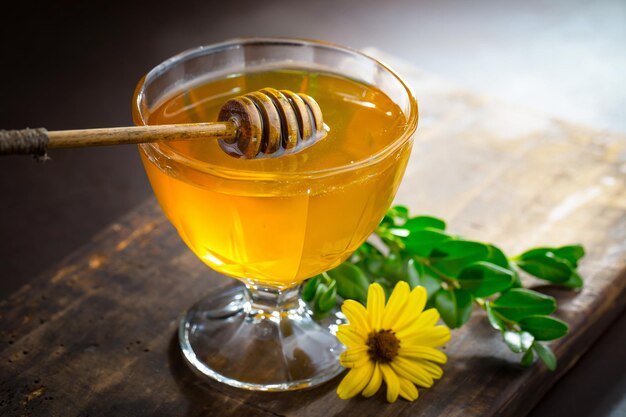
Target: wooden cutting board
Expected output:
[96,335]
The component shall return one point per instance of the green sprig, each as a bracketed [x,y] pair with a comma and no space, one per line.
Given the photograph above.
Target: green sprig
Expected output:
[457,274]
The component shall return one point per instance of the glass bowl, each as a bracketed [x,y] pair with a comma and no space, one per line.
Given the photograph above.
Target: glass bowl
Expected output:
[269,228]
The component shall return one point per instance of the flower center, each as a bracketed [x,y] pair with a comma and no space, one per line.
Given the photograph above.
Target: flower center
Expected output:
[383,346]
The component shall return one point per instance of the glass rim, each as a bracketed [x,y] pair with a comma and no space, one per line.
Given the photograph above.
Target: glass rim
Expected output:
[217,170]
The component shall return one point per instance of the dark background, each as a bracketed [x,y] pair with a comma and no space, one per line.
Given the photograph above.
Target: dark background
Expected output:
[70,64]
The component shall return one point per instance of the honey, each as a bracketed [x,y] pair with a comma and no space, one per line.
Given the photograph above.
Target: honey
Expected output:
[279,221]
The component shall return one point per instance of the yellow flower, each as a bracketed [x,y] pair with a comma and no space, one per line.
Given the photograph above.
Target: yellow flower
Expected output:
[395,343]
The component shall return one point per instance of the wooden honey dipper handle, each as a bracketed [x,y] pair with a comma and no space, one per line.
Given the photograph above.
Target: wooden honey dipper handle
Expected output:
[38,141]
[258,124]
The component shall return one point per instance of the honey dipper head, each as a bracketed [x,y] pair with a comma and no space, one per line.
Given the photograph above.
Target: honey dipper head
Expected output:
[271,123]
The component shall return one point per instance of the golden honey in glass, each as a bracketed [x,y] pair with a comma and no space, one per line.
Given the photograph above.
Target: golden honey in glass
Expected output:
[273,222]
[283,233]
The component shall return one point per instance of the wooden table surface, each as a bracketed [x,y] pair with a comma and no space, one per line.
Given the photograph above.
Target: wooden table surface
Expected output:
[96,335]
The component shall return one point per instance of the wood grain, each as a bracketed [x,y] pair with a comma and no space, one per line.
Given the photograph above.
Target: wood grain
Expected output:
[96,335]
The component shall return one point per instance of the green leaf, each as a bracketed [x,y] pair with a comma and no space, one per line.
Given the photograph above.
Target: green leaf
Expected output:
[517,282]
[574,281]
[527,340]
[422,242]
[374,264]
[424,222]
[395,216]
[394,268]
[431,282]
[496,256]
[308,292]
[519,303]
[455,306]
[415,224]
[386,221]
[327,299]
[570,253]
[483,279]
[531,253]
[546,267]
[397,231]
[401,212]
[413,273]
[554,264]
[544,327]
[546,355]
[451,256]
[528,358]
[419,274]
[351,282]
[512,340]
[517,341]
[321,289]
[494,317]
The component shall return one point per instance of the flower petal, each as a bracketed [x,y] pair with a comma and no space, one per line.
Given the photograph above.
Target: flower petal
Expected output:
[375,305]
[408,391]
[357,316]
[431,337]
[374,385]
[349,337]
[433,370]
[415,305]
[355,381]
[354,357]
[427,319]
[391,379]
[418,298]
[411,371]
[422,352]
[395,305]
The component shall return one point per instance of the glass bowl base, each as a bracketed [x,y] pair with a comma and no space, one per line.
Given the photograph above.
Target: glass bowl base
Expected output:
[260,339]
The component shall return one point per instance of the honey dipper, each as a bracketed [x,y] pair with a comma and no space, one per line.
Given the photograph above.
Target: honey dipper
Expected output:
[254,125]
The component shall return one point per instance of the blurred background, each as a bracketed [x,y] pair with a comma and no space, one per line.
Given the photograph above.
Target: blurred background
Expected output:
[70,64]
